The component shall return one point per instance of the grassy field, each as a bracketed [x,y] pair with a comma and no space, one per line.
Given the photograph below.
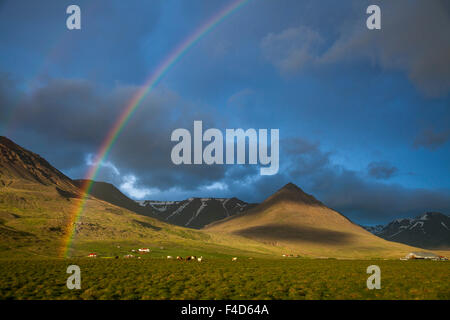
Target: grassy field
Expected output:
[291,278]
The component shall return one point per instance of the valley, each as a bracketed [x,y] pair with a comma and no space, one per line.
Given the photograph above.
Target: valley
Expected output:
[290,246]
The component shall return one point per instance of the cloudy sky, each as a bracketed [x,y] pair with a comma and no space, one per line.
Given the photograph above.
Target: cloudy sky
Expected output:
[364,116]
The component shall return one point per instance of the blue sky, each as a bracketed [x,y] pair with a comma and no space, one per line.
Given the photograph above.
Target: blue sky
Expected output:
[364,116]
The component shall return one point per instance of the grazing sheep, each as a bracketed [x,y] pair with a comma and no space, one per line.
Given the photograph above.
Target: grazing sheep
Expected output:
[234,259]
[200,259]
[169,257]
[179,258]
[189,258]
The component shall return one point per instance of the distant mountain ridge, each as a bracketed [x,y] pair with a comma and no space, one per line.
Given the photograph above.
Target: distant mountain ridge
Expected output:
[373,229]
[196,212]
[430,231]
[191,213]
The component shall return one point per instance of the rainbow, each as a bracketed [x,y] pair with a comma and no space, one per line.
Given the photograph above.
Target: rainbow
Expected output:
[134,103]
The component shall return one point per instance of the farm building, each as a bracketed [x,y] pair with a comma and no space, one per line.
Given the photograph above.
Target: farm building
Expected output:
[423,255]
[92,255]
[144,250]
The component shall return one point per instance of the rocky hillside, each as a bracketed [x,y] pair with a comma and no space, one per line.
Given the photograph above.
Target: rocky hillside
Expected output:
[196,212]
[430,230]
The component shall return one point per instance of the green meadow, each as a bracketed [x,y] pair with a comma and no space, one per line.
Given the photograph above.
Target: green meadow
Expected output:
[220,278]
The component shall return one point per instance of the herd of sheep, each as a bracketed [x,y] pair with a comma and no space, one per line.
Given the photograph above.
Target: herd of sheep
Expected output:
[193,258]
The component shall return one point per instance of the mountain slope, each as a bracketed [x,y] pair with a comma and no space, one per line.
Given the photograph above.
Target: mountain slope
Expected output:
[20,165]
[195,212]
[296,220]
[109,193]
[429,231]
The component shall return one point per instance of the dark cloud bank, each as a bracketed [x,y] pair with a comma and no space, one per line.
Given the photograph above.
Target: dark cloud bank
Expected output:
[413,38]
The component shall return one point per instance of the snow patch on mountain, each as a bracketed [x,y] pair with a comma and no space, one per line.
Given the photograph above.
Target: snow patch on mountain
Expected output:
[202,206]
[180,209]
[429,231]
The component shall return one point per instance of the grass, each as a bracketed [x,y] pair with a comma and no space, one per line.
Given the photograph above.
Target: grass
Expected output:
[162,249]
[220,278]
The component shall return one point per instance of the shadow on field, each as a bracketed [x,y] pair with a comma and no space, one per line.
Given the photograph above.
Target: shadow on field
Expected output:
[146,225]
[66,194]
[8,233]
[280,232]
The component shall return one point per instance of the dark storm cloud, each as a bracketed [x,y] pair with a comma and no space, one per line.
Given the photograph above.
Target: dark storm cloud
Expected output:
[413,38]
[73,117]
[381,170]
[431,139]
[347,192]
[304,157]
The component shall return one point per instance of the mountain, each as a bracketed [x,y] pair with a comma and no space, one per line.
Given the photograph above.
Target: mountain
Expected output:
[293,219]
[373,229]
[195,212]
[20,165]
[429,231]
[191,213]
[109,193]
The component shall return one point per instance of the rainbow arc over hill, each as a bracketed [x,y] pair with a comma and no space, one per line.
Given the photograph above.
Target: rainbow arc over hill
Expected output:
[131,107]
